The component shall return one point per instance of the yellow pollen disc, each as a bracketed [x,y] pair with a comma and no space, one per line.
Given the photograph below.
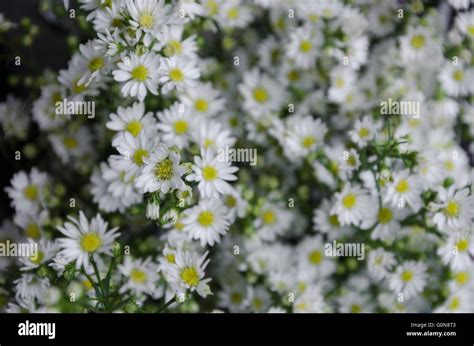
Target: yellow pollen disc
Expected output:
[212,7]
[56,97]
[449,165]
[140,73]
[364,132]
[236,298]
[333,220]
[230,201]
[402,186]
[138,276]
[452,209]
[356,308]
[170,258]
[305,46]
[209,173]
[233,13]
[176,75]
[294,75]
[174,47]
[340,82]
[268,217]
[190,276]
[458,75]
[208,142]
[33,231]
[146,20]
[70,142]
[180,127]
[257,303]
[164,169]
[308,142]
[201,105]
[206,218]
[179,226]
[385,216]
[96,63]
[78,88]
[470,30]
[90,242]
[138,156]
[134,127]
[315,257]
[462,245]
[407,276]
[462,278]
[87,284]
[417,41]
[38,258]
[31,192]
[454,304]
[260,94]
[349,201]
[351,161]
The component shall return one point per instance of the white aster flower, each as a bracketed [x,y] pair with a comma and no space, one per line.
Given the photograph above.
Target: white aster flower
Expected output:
[405,189]
[176,124]
[352,205]
[409,279]
[141,275]
[27,190]
[132,119]
[455,210]
[178,73]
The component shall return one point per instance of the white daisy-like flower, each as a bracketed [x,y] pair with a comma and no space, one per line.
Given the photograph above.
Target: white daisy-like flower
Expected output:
[46,250]
[457,302]
[418,45]
[349,162]
[133,151]
[261,93]
[342,84]
[386,220]
[465,23]
[14,117]
[44,108]
[31,221]
[173,44]
[273,219]
[354,302]
[202,99]
[457,80]
[187,272]
[70,146]
[233,14]
[304,135]
[455,210]
[364,131]
[235,204]
[304,46]
[141,275]
[458,251]
[30,286]
[405,189]
[176,124]
[328,223]
[212,135]
[71,76]
[311,301]
[409,279]
[178,73]
[109,17]
[191,8]
[27,190]
[161,171]
[131,119]
[352,205]
[96,61]
[312,257]
[380,262]
[84,239]
[138,73]
[206,221]
[212,172]
[150,17]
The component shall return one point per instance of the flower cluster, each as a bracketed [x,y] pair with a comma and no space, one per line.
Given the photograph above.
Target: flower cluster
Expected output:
[359,197]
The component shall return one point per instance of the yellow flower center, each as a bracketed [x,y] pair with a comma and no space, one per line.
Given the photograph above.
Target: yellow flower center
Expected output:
[230,201]
[356,308]
[180,127]
[385,216]
[170,258]
[138,276]
[78,88]
[33,231]
[90,242]
[449,165]
[201,105]
[31,192]
[452,209]
[349,201]
[70,142]
[190,276]
[454,304]
[315,257]
[308,141]
[305,46]
[260,94]
[37,258]
[333,220]
[236,298]
[134,127]
[458,75]
[206,218]
[176,75]
[233,13]
[294,75]
[268,217]
[146,20]
[140,73]
[208,142]
[462,245]
[209,173]
[96,63]
[402,186]
[138,156]
[407,275]
[364,132]
[340,82]
[164,169]
[462,278]
[470,30]
[417,41]
[173,47]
